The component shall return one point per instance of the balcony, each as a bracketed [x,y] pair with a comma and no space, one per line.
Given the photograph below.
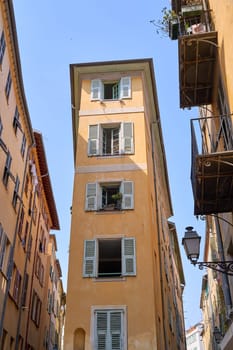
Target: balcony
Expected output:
[190,23]
[197,58]
[178,4]
[212,165]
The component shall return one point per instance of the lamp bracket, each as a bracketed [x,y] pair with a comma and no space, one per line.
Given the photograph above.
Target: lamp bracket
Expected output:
[225,267]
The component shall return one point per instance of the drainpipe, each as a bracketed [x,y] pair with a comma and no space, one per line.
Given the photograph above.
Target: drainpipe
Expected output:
[24,275]
[12,251]
[159,239]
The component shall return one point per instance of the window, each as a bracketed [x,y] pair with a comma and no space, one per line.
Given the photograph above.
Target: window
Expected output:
[2,47]
[109,329]
[110,139]
[16,192]
[1,126]
[109,257]
[16,122]
[8,85]
[111,90]
[25,288]
[21,220]
[109,196]
[4,251]
[36,309]
[16,287]
[2,144]
[6,172]
[23,145]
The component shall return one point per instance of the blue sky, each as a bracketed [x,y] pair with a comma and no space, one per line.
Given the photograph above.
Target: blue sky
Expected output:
[52,35]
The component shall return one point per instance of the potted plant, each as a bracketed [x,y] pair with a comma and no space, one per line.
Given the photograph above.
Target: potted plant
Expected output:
[169,24]
[117,197]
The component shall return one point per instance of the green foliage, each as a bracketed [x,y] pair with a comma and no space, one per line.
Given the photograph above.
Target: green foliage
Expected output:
[162,25]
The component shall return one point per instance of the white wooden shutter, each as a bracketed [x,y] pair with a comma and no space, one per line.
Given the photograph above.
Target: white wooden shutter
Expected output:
[128,257]
[91,196]
[125,87]
[101,330]
[89,263]
[96,89]
[93,140]
[115,330]
[127,195]
[127,138]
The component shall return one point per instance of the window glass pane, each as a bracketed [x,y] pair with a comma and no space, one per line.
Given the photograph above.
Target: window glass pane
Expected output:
[109,258]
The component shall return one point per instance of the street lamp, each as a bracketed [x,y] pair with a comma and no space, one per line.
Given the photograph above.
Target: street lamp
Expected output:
[191,242]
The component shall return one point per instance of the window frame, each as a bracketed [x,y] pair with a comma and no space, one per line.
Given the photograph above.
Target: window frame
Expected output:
[4,251]
[7,172]
[8,85]
[16,286]
[91,257]
[2,47]
[109,310]
[94,195]
[123,90]
[96,134]
[16,121]
[23,145]
[16,192]
[36,309]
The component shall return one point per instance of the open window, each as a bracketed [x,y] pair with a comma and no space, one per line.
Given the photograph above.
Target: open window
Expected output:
[109,196]
[111,89]
[109,258]
[7,173]
[110,139]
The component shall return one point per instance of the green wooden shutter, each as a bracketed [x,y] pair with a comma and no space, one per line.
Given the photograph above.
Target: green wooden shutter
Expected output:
[89,263]
[128,257]
[127,191]
[115,330]
[93,140]
[96,89]
[125,87]
[127,138]
[91,196]
[101,330]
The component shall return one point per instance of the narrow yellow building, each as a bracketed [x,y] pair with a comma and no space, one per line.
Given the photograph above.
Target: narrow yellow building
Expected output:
[125,277]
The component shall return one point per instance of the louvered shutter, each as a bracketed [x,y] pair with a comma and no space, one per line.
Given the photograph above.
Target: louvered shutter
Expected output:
[101,330]
[89,258]
[127,138]
[125,87]
[91,196]
[128,256]
[115,330]
[96,89]
[3,242]
[93,140]
[127,195]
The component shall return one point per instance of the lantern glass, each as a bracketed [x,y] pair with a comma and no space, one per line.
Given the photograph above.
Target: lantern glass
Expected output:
[191,243]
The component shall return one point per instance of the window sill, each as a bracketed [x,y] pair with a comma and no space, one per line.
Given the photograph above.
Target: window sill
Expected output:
[100,212]
[105,156]
[110,279]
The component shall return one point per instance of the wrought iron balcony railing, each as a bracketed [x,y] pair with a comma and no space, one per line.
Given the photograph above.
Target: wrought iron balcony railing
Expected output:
[212,164]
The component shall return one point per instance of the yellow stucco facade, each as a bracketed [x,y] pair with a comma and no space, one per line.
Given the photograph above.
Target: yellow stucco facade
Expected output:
[136,287]
[30,292]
